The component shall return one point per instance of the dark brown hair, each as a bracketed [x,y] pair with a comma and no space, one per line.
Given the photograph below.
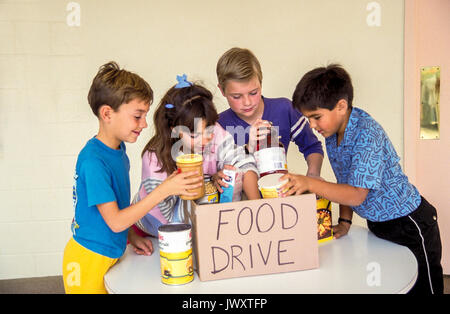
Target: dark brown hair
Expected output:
[322,88]
[113,86]
[188,103]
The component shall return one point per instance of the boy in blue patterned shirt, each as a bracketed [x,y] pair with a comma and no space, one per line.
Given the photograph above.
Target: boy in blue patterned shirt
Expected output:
[370,180]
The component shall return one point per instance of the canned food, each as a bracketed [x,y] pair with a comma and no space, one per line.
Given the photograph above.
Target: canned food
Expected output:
[211,194]
[175,250]
[270,186]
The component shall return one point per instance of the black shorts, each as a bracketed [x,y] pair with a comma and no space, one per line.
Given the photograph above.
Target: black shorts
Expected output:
[419,232]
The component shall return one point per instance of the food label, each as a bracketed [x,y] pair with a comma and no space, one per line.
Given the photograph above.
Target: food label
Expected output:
[175,251]
[270,159]
[176,268]
[211,193]
[227,194]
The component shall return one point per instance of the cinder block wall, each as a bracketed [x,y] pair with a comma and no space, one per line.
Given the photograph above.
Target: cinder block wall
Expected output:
[43,123]
[47,63]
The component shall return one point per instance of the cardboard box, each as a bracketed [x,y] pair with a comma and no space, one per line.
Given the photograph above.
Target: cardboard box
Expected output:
[254,237]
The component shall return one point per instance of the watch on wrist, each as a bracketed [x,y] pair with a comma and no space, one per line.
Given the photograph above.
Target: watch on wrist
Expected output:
[344,220]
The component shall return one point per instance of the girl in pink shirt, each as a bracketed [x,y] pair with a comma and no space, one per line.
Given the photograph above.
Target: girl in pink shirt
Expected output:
[186,122]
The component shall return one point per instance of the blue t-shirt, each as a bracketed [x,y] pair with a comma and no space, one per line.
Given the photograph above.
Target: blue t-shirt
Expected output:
[366,158]
[293,126]
[101,176]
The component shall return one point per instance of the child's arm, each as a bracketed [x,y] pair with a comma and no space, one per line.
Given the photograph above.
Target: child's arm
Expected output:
[314,162]
[343,227]
[250,185]
[339,193]
[176,184]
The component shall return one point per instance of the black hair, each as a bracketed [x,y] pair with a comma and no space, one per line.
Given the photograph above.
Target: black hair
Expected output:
[322,88]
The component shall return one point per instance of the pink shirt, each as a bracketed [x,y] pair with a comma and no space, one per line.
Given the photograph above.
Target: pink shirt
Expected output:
[220,151]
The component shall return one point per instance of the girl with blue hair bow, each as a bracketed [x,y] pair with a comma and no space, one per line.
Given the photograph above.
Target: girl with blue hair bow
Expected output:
[186,122]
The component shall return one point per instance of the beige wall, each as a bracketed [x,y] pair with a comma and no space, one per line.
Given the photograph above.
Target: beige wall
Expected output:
[46,67]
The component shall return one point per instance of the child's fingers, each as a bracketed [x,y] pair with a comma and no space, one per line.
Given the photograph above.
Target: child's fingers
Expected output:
[218,187]
[257,122]
[187,193]
[286,176]
[338,231]
[222,176]
[260,122]
[140,251]
[223,183]
[289,187]
[190,178]
[197,179]
[149,245]
[223,180]
[192,183]
[173,174]
[263,130]
[288,192]
[144,247]
[188,174]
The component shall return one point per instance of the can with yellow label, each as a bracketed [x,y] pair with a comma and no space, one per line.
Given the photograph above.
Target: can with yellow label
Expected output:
[175,250]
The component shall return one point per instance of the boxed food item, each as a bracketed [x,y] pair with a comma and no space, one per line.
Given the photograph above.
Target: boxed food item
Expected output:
[324,228]
[227,194]
[254,237]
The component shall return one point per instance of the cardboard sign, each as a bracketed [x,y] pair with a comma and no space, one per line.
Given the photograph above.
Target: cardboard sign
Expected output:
[255,237]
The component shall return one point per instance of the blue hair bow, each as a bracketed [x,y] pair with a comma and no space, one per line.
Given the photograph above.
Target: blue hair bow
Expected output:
[182,81]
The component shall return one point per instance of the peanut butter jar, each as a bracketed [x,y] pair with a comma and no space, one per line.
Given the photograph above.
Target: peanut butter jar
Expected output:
[192,162]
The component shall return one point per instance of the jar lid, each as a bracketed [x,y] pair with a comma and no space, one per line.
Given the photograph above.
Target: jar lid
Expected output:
[271,181]
[174,227]
[189,158]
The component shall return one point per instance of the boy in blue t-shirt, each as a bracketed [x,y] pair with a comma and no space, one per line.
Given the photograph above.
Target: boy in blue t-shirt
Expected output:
[370,180]
[101,192]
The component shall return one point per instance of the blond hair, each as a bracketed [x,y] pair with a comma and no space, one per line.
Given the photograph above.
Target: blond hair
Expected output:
[237,64]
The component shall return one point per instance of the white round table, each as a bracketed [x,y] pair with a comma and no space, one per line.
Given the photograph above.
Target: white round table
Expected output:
[356,263]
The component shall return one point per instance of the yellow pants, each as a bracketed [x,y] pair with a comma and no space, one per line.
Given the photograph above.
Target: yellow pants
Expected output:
[83,269]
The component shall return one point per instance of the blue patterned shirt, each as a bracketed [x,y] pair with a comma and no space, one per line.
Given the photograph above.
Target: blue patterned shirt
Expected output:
[366,158]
